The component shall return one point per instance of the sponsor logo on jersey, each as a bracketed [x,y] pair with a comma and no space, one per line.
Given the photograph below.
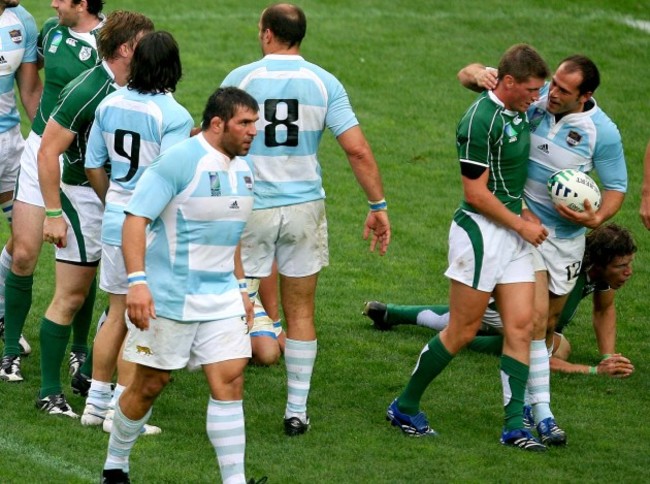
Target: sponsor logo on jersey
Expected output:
[215,184]
[71,42]
[573,138]
[56,40]
[543,147]
[234,205]
[2,60]
[517,121]
[16,36]
[85,53]
[510,132]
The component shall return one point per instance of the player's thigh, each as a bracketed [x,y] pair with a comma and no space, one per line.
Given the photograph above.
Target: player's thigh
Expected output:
[27,233]
[11,149]
[302,246]
[28,189]
[258,242]
[112,276]
[83,212]
[483,254]
[562,259]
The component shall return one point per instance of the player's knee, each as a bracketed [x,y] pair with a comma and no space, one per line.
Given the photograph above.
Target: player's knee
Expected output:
[153,385]
[25,257]
[265,353]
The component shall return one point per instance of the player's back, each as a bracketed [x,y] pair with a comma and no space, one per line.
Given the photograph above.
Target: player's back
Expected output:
[298,100]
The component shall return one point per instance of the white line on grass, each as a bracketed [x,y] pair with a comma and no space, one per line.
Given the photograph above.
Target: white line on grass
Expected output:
[58,465]
[637,24]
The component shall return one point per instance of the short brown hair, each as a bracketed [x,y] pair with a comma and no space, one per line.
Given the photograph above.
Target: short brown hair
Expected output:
[522,62]
[121,27]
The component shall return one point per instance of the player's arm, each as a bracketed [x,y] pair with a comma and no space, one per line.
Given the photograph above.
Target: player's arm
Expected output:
[604,321]
[98,179]
[30,87]
[477,77]
[617,366]
[611,203]
[139,302]
[240,275]
[56,139]
[365,169]
[483,200]
[644,211]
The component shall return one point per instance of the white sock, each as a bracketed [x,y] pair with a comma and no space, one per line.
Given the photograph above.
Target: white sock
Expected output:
[5,266]
[429,319]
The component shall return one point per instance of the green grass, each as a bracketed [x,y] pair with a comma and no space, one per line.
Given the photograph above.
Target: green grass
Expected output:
[398,61]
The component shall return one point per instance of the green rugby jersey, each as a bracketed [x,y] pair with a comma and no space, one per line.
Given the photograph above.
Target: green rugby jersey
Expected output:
[75,111]
[66,54]
[492,136]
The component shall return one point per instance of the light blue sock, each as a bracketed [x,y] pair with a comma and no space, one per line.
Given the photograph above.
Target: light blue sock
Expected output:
[123,436]
[227,434]
[299,357]
[539,381]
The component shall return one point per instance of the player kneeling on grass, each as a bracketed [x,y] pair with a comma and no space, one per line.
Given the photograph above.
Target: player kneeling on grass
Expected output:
[183,226]
[607,265]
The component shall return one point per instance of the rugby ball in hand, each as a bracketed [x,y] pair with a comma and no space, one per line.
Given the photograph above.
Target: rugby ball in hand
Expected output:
[571,188]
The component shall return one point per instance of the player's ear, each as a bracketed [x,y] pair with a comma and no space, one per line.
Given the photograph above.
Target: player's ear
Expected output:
[216,124]
[586,96]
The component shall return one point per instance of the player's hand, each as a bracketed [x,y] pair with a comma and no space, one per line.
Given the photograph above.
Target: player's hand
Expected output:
[589,218]
[139,306]
[616,366]
[533,232]
[530,216]
[377,223]
[55,230]
[487,78]
[249,308]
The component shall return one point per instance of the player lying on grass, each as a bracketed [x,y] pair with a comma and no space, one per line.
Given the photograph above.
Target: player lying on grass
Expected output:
[607,265]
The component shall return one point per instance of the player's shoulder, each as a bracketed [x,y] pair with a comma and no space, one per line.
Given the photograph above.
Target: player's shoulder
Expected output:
[603,123]
[23,15]
[50,26]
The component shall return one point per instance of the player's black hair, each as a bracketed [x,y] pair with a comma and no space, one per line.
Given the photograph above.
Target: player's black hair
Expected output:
[121,27]
[523,62]
[287,22]
[589,71]
[94,6]
[156,64]
[606,243]
[223,103]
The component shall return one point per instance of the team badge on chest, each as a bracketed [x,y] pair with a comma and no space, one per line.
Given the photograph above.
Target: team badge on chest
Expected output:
[16,36]
[85,53]
[573,138]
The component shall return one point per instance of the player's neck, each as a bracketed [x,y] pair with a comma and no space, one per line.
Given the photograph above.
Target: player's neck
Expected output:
[87,24]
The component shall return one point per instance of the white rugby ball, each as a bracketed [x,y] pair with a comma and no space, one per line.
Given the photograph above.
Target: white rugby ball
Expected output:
[571,188]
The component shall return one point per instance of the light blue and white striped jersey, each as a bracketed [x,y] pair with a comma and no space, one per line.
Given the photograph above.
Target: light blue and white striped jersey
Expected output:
[198,201]
[581,141]
[130,130]
[298,100]
[18,39]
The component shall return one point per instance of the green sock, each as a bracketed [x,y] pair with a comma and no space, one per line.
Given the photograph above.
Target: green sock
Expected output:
[490,345]
[433,359]
[396,314]
[87,367]
[514,375]
[83,321]
[54,342]
[18,295]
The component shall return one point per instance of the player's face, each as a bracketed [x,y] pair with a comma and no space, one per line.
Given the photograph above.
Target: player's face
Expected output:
[564,92]
[67,12]
[523,94]
[239,132]
[618,271]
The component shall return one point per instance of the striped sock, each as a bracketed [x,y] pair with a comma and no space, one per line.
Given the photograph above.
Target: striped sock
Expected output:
[5,267]
[539,381]
[227,434]
[99,395]
[123,436]
[299,357]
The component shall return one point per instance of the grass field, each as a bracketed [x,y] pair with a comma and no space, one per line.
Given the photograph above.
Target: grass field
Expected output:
[398,61]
